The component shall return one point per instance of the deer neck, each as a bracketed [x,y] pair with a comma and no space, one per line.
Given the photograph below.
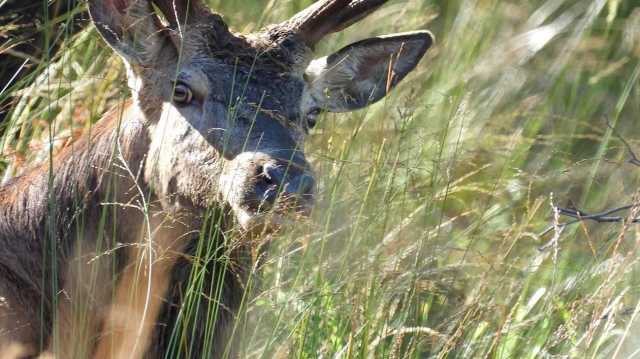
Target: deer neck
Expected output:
[100,167]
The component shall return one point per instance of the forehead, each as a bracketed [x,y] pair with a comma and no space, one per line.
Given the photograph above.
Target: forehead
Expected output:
[247,85]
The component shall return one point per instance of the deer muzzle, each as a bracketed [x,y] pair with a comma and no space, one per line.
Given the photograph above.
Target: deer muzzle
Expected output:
[262,188]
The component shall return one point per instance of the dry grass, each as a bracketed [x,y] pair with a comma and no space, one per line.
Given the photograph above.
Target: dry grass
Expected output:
[426,241]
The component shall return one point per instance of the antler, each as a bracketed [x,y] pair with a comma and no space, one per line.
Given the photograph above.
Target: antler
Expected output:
[328,16]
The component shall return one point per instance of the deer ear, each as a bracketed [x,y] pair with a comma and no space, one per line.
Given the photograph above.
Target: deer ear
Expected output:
[364,72]
[130,27]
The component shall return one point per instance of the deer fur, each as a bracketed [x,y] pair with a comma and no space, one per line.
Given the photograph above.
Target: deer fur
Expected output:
[98,246]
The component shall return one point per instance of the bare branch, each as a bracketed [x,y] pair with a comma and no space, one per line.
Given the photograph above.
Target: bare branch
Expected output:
[600,217]
[634,158]
[580,216]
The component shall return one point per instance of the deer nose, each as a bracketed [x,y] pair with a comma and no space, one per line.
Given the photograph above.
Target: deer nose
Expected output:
[284,180]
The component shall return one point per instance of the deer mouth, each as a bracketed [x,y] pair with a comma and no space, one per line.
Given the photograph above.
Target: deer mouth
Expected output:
[270,209]
[273,209]
[272,220]
[266,192]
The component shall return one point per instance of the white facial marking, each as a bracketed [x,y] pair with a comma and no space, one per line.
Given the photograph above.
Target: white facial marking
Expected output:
[315,69]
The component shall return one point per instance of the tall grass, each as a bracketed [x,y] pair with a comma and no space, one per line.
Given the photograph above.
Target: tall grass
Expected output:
[426,238]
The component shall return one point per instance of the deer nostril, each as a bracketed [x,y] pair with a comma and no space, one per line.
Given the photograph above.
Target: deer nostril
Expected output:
[263,175]
[272,174]
[276,182]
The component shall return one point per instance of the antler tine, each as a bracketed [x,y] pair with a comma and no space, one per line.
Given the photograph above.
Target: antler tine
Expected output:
[328,16]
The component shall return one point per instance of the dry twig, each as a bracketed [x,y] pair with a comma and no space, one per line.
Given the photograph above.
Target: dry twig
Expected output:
[605,216]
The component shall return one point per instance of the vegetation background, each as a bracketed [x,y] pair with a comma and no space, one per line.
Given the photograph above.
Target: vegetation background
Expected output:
[428,236]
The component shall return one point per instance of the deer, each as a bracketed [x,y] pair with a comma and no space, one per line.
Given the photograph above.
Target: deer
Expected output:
[97,246]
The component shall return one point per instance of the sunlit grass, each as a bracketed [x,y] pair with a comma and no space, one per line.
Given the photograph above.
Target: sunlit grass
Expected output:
[425,241]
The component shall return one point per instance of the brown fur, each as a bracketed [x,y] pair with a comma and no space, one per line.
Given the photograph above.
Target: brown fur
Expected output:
[37,209]
[96,314]
[91,300]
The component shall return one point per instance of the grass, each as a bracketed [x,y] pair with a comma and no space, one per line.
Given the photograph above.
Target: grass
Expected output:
[425,241]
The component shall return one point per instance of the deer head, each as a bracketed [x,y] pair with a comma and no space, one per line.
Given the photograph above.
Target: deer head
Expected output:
[227,114]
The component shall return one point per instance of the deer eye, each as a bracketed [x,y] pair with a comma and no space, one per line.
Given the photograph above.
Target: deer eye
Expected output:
[182,94]
[312,117]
